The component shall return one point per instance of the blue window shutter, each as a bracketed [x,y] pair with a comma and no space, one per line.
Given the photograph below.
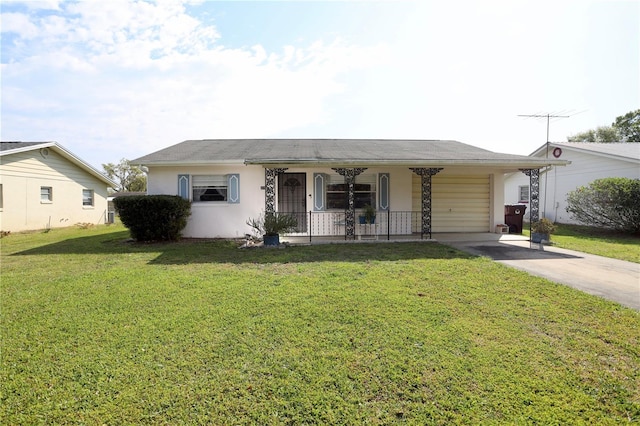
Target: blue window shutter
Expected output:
[183,186]
[383,180]
[233,186]
[318,192]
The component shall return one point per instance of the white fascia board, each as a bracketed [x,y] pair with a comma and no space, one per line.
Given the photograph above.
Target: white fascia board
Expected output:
[516,164]
[27,148]
[191,163]
[83,164]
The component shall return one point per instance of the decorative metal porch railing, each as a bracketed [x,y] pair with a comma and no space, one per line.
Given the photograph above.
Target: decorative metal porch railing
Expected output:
[387,224]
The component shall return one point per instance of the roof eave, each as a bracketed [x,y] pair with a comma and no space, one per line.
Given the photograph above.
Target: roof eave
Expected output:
[83,165]
[515,164]
[563,145]
[69,156]
[138,162]
[28,148]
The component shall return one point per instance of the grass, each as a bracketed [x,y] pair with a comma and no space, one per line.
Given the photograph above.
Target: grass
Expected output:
[597,241]
[98,330]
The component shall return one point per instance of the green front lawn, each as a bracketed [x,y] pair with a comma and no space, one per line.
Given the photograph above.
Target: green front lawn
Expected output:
[597,241]
[98,330]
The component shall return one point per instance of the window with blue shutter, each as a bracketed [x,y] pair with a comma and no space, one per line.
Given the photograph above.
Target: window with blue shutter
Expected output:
[384,186]
[183,186]
[233,184]
[318,192]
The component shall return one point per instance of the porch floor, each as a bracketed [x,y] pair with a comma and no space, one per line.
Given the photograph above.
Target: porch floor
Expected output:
[436,237]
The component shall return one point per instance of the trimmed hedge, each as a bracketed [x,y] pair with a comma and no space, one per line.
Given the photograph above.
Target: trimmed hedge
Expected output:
[612,203]
[153,217]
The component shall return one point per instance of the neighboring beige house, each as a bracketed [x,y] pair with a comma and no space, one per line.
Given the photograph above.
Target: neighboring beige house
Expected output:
[43,185]
[416,186]
[589,161]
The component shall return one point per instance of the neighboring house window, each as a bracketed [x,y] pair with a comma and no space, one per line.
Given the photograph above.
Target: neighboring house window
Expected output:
[523,194]
[209,188]
[364,191]
[46,194]
[87,197]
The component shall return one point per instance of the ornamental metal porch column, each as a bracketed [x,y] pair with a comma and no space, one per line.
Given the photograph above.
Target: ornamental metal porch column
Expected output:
[350,212]
[270,189]
[534,193]
[425,175]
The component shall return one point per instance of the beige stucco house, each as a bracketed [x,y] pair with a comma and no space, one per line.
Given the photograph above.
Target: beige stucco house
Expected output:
[43,185]
[416,186]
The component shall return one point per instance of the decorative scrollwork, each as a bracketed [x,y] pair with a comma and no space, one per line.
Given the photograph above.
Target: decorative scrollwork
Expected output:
[426,173]
[270,188]
[534,193]
[350,213]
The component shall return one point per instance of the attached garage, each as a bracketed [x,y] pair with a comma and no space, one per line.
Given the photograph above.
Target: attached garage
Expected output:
[460,203]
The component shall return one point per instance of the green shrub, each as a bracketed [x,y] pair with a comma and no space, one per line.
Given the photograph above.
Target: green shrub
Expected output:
[612,203]
[153,217]
[272,224]
[543,226]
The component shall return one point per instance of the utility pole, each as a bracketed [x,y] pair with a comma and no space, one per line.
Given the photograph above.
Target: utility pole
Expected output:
[548,116]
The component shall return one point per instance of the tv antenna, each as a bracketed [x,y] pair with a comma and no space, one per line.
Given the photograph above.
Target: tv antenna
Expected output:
[548,116]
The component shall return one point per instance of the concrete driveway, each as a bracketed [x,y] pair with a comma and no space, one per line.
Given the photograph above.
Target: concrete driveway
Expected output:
[611,279]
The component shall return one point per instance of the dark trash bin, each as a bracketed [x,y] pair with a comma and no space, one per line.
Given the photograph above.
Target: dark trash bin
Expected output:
[513,216]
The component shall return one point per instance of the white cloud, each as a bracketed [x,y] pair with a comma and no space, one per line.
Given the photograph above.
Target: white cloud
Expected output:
[131,77]
[123,78]
[37,4]
[20,24]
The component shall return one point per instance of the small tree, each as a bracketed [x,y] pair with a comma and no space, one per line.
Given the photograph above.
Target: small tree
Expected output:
[129,178]
[612,203]
[153,217]
[603,134]
[628,126]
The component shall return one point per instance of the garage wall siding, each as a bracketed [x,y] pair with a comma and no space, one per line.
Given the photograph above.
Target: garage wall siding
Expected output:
[459,203]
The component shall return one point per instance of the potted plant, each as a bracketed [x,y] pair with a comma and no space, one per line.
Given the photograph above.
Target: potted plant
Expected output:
[271,225]
[541,230]
[369,216]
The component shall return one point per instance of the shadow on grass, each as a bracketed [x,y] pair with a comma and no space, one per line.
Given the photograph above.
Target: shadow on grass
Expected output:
[189,251]
[510,252]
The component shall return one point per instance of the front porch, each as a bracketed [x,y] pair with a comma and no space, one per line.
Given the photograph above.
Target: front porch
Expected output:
[437,237]
[317,227]
[458,202]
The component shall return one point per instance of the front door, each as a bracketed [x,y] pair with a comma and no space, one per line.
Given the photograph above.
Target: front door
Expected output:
[292,197]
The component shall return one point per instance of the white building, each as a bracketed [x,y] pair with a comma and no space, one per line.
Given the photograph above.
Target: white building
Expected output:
[42,185]
[589,161]
[415,186]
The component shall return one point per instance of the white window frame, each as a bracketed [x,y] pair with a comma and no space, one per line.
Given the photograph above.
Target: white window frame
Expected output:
[92,198]
[46,194]
[522,198]
[216,185]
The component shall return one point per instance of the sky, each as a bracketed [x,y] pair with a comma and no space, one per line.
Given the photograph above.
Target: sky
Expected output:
[121,79]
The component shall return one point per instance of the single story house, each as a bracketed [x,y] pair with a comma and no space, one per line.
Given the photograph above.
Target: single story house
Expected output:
[43,185]
[588,162]
[416,186]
